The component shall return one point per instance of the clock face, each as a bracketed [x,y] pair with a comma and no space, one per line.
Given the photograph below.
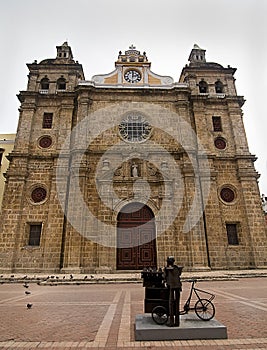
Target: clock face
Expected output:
[132,76]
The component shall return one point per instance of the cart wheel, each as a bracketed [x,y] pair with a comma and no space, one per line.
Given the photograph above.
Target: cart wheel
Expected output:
[204,309]
[159,314]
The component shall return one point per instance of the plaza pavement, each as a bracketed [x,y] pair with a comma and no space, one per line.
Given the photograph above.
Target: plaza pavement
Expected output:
[98,311]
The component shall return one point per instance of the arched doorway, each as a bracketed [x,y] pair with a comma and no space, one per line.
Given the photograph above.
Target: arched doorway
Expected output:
[136,237]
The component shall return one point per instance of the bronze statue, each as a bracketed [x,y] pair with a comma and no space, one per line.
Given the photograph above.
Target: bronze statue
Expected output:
[162,295]
[172,275]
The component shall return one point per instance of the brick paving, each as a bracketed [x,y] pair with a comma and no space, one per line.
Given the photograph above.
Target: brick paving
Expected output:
[102,316]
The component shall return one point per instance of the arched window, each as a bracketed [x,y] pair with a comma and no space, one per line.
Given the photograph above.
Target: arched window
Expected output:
[61,84]
[1,155]
[45,84]
[203,87]
[219,87]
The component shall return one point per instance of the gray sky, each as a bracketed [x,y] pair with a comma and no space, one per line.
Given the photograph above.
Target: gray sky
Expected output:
[233,32]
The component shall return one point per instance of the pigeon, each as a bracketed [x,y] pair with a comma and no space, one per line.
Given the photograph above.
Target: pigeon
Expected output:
[92,276]
[29,306]
[27,292]
[85,277]
[71,277]
[25,285]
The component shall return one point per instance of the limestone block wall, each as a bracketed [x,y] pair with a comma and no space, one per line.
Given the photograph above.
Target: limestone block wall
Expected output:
[82,251]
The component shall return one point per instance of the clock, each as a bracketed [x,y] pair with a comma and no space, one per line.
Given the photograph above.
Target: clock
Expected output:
[132,76]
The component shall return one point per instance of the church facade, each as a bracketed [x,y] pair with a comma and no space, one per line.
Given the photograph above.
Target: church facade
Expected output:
[121,171]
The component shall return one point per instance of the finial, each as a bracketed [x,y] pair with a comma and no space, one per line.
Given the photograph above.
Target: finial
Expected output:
[197,47]
[132,47]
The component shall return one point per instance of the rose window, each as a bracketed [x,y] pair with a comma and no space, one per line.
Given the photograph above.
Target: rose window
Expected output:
[38,194]
[45,142]
[220,143]
[227,195]
[134,128]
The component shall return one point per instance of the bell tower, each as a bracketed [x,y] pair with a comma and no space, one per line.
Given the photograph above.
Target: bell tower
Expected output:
[218,122]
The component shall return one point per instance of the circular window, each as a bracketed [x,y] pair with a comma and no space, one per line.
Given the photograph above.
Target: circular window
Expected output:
[38,194]
[227,195]
[134,128]
[220,143]
[45,142]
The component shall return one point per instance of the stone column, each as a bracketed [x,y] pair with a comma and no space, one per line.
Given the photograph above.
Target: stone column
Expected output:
[197,240]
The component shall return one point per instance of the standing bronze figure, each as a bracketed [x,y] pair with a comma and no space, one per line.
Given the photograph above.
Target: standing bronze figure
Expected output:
[172,275]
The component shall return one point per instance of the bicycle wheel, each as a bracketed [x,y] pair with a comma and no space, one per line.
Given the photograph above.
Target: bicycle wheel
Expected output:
[159,314]
[204,309]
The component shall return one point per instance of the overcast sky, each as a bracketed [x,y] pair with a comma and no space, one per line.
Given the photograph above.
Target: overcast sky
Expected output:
[233,32]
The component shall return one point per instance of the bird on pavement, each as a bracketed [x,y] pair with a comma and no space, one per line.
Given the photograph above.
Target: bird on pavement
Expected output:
[29,306]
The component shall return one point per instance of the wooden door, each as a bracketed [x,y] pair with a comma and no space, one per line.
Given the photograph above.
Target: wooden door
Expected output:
[136,237]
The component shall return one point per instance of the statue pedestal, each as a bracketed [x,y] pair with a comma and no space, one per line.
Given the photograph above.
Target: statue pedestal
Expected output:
[191,327]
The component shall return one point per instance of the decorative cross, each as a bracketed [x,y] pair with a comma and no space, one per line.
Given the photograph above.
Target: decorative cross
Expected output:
[132,47]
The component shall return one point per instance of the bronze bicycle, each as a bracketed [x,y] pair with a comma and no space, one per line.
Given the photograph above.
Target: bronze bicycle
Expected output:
[203,307]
